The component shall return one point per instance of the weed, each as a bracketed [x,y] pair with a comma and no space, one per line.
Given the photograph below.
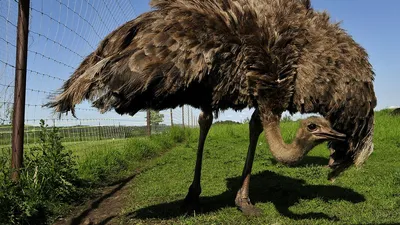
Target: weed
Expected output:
[54,176]
[48,179]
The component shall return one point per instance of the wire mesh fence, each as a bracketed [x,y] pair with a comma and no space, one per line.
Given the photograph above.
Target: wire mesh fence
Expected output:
[61,34]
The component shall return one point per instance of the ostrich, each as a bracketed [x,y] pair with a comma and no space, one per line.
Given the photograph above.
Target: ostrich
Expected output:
[272,55]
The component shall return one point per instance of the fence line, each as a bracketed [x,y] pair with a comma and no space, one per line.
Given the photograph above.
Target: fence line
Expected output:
[61,34]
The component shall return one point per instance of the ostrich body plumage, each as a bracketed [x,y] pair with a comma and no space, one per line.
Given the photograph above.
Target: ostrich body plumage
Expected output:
[272,55]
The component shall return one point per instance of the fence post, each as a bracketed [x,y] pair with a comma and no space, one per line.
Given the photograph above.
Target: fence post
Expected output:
[20,89]
[188,117]
[100,132]
[148,122]
[80,131]
[172,120]
[183,116]
[191,114]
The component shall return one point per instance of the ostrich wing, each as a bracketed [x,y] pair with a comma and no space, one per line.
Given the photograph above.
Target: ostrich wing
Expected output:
[158,54]
[223,49]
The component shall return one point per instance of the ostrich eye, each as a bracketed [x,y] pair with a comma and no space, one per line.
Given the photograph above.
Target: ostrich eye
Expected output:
[312,127]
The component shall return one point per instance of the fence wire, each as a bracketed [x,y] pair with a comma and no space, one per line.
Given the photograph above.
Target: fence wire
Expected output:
[61,34]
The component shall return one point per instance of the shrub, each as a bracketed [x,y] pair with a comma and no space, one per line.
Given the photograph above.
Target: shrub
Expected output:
[179,135]
[47,180]
[51,179]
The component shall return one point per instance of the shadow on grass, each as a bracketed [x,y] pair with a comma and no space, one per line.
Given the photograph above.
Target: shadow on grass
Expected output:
[313,160]
[267,186]
[307,161]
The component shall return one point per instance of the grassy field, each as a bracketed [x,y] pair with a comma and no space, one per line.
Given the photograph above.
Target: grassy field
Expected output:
[81,133]
[109,160]
[54,180]
[300,195]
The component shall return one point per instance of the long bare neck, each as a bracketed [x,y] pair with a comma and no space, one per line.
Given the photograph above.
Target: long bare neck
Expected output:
[285,153]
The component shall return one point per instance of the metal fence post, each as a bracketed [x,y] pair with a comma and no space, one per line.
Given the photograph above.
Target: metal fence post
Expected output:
[172,120]
[20,88]
[188,117]
[148,122]
[183,116]
[191,118]
[100,133]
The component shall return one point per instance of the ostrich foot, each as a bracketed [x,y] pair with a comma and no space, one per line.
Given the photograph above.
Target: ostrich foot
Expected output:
[244,205]
[191,203]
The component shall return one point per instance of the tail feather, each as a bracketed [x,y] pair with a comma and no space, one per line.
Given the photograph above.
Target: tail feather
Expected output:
[85,86]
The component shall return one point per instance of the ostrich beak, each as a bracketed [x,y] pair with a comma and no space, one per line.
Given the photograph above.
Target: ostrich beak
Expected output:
[326,133]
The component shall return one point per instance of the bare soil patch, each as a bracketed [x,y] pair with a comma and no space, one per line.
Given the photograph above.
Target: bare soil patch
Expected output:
[104,209]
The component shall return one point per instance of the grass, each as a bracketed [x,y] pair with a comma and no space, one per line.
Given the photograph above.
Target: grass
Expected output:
[300,195]
[102,155]
[37,197]
[79,133]
[103,162]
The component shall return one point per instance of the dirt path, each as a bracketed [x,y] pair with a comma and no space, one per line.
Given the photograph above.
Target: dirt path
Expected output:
[103,209]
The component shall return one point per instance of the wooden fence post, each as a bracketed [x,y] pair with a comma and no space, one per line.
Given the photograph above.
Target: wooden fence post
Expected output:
[20,89]
[172,120]
[148,123]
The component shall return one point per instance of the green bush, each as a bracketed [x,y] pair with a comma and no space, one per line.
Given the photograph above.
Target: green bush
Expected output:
[179,135]
[163,140]
[47,180]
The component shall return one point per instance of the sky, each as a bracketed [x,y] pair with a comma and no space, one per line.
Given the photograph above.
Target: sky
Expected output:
[375,25]
[65,31]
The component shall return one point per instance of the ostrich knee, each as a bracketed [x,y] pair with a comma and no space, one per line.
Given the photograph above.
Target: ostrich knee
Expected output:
[205,121]
[242,198]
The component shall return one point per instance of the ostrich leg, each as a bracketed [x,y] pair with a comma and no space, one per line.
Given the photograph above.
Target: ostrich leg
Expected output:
[191,201]
[242,198]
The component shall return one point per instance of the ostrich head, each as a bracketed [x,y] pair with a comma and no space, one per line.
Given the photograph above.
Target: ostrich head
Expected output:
[312,131]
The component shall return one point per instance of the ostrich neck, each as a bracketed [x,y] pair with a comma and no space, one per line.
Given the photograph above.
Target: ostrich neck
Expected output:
[285,153]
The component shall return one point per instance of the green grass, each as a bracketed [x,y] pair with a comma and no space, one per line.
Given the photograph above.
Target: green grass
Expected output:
[102,162]
[300,195]
[38,197]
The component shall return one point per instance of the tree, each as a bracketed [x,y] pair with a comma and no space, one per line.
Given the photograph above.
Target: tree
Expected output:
[6,112]
[156,117]
[286,118]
